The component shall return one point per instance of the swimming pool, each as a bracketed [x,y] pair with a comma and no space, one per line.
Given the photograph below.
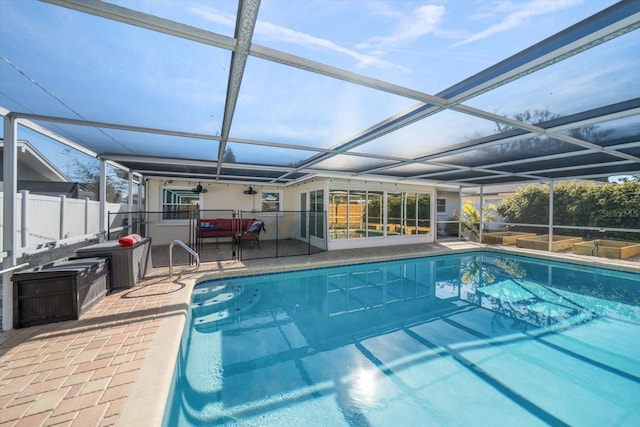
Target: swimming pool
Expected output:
[468,339]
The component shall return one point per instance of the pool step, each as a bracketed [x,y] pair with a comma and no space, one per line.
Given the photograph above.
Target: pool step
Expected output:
[207,291]
[242,303]
[220,297]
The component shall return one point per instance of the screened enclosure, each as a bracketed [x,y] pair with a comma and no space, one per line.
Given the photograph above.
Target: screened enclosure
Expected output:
[257,91]
[453,97]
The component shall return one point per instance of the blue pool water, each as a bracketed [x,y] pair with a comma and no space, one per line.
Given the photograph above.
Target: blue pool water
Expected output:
[456,340]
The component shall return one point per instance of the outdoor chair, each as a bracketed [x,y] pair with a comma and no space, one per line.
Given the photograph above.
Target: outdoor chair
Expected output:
[252,233]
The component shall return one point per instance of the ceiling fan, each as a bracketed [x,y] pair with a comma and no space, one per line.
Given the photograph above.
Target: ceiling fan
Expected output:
[199,189]
[250,190]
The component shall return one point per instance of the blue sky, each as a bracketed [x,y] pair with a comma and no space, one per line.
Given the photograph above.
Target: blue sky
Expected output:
[154,80]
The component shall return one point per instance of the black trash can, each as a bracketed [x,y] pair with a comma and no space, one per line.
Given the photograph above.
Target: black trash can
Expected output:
[57,291]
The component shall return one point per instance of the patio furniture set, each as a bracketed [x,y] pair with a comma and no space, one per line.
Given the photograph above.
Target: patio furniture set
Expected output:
[239,228]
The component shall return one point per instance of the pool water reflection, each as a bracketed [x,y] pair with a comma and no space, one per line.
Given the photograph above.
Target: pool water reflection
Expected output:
[469,339]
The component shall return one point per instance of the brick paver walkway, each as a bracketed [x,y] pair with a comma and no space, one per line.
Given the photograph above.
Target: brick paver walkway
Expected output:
[81,372]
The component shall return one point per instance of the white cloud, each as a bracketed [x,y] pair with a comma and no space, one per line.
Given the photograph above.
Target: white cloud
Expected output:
[516,15]
[287,35]
[215,16]
[422,20]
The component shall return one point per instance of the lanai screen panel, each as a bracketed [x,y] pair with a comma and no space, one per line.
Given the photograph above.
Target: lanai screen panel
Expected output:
[266,155]
[74,66]
[124,142]
[428,46]
[80,66]
[516,150]
[354,164]
[292,106]
[411,170]
[577,161]
[431,134]
[615,133]
[596,77]
[218,16]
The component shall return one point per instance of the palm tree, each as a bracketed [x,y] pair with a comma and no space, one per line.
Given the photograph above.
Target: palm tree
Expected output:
[471,217]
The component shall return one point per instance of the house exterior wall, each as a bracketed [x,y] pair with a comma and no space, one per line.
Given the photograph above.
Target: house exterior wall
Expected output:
[227,197]
[220,197]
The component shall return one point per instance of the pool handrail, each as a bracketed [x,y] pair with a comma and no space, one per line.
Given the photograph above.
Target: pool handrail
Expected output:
[188,249]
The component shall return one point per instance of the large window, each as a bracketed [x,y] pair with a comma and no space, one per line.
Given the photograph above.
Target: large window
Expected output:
[408,214]
[357,213]
[178,203]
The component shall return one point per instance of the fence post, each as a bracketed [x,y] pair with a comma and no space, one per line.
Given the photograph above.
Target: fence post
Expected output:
[9,220]
[277,222]
[130,205]
[24,232]
[550,245]
[63,198]
[234,246]
[86,215]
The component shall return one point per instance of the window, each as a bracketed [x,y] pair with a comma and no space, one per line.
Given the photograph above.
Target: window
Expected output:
[375,220]
[408,214]
[270,201]
[179,203]
[338,211]
[316,208]
[359,213]
[441,205]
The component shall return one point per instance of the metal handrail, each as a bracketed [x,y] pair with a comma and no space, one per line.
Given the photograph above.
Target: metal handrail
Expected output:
[188,249]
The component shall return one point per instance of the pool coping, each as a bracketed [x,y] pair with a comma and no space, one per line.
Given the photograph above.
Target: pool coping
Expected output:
[146,403]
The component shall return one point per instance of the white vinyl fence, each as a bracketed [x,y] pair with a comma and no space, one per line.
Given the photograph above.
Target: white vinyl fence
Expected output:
[50,221]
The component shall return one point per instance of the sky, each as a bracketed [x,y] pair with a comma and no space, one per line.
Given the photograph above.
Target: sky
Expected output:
[153,80]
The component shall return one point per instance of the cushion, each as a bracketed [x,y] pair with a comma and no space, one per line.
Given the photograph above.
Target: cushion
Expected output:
[209,225]
[255,227]
[130,240]
[223,223]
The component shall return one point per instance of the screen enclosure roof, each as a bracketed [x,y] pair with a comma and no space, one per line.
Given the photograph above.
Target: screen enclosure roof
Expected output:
[277,92]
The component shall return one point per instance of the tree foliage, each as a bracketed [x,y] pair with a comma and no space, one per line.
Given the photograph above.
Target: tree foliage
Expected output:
[537,145]
[576,204]
[228,156]
[88,174]
[528,205]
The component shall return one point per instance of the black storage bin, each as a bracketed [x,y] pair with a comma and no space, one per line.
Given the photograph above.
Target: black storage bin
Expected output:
[57,291]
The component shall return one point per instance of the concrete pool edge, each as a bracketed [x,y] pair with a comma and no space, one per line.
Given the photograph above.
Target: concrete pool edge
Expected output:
[146,404]
[147,400]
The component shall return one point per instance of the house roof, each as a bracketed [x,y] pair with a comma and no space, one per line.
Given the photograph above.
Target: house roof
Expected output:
[278,92]
[33,165]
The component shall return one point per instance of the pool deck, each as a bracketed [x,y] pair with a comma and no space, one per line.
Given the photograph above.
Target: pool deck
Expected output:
[113,366]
